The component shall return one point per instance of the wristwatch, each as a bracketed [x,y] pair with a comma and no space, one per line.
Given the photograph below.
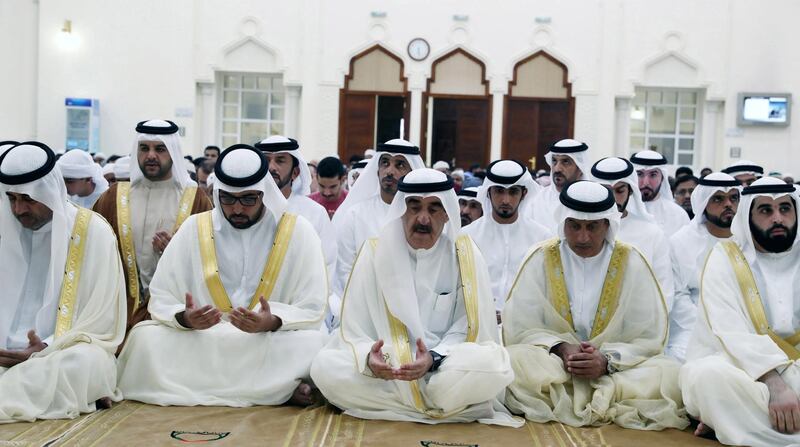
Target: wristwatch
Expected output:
[437,360]
[610,368]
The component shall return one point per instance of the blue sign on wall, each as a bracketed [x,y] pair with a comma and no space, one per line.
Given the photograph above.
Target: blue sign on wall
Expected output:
[78,102]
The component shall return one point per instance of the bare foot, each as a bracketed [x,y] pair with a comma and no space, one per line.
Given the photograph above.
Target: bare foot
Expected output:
[704,431]
[104,403]
[303,395]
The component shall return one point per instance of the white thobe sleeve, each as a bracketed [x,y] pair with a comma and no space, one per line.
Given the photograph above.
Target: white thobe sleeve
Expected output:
[457,333]
[346,251]
[174,275]
[722,311]
[301,300]
[361,310]
[100,314]
[662,267]
[528,317]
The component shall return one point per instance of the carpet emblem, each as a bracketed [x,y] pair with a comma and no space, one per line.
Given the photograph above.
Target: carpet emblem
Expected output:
[445,444]
[198,436]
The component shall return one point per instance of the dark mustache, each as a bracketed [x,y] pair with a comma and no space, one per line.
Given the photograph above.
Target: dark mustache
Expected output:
[777,226]
[422,228]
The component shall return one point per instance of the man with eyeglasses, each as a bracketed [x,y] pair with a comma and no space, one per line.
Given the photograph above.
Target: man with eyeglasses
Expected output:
[239,297]
[146,211]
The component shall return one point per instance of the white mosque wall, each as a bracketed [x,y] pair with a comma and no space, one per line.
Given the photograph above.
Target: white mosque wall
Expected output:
[156,59]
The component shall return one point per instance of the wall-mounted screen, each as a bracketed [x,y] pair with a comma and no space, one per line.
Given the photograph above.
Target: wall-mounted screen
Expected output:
[764,109]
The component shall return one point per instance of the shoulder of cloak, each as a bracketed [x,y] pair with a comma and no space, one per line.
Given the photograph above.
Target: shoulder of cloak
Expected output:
[106,206]
[201,202]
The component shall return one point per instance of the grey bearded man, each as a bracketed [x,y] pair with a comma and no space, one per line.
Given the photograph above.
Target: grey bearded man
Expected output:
[418,339]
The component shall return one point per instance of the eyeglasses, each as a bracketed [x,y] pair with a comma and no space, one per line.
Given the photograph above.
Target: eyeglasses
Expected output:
[250,200]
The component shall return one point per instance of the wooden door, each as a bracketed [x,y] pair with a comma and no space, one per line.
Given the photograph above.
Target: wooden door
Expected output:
[460,131]
[532,125]
[357,124]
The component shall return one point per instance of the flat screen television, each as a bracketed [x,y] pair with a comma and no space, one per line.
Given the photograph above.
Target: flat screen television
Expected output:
[765,109]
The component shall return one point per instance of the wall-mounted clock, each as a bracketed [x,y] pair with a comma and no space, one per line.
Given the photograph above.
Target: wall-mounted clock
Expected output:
[419,49]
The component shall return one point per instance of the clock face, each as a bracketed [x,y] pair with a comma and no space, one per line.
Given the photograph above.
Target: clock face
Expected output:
[418,49]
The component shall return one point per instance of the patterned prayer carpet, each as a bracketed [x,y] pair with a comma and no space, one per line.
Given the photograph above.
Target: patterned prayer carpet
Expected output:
[135,424]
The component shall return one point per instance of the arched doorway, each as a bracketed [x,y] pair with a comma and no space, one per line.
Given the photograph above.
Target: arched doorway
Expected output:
[539,109]
[457,111]
[374,103]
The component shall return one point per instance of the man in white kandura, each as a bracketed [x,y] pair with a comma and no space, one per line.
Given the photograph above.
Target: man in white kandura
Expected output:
[63,300]
[237,301]
[585,325]
[363,212]
[714,203]
[290,172]
[83,177]
[505,234]
[569,162]
[637,227]
[651,167]
[741,376]
[418,339]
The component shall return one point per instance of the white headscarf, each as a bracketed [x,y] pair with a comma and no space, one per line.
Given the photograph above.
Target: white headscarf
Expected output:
[646,160]
[740,227]
[707,187]
[170,140]
[742,167]
[108,168]
[122,168]
[470,193]
[369,184]
[506,174]
[6,145]
[612,170]
[585,200]
[357,168]
[392,264]
[277,144]
[50,191]
[441,165]
[241,161]
[79,164]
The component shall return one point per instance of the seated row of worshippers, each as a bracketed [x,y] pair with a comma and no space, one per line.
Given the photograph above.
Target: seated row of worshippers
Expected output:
[158,297]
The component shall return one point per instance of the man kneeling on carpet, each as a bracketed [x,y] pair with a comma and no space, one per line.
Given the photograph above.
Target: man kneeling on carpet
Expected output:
[418,339]
[237,301]
[62,308]
[585,326]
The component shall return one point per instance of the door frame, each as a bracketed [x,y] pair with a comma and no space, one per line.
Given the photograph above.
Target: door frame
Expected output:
[345,91]
[426,95]
[565,83]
